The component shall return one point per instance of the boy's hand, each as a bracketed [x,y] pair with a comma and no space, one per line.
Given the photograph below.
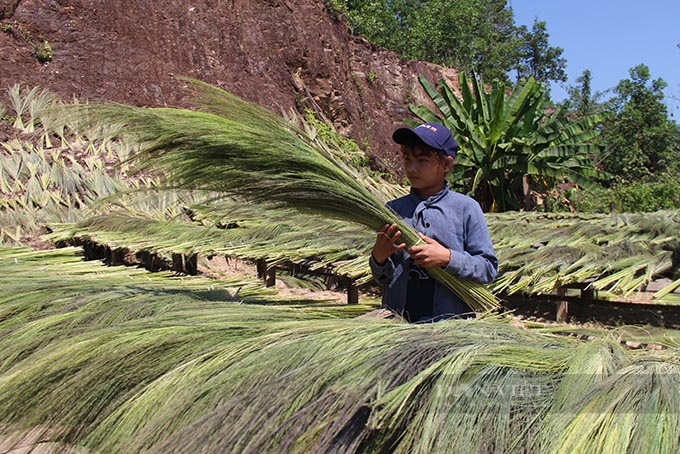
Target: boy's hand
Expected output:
[431,254]
[384,245]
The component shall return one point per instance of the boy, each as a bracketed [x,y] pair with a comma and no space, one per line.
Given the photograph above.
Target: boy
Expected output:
[452,227]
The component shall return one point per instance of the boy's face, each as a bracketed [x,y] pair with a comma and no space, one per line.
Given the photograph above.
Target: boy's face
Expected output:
[425,169]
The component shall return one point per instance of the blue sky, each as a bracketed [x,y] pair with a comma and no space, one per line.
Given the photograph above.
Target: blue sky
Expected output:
[610,37]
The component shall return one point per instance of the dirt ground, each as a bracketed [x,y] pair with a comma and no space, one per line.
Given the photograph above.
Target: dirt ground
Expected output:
[221,267]
[590,313]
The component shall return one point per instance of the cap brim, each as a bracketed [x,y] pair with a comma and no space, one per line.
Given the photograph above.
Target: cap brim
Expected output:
[405,136]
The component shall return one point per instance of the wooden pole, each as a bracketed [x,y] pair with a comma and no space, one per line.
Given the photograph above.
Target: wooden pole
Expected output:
[562,306]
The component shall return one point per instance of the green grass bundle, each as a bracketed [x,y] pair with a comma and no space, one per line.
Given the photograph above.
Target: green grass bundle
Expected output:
[617,254]
[233,229]
[239,149]
[159,364]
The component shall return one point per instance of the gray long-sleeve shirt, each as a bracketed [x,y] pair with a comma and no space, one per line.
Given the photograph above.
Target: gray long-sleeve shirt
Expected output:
[454,220]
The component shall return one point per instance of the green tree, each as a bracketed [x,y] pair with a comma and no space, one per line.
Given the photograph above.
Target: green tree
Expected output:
[582,101]
[642,143]
[511,141]
[381,22]
[538,58]
[470,35]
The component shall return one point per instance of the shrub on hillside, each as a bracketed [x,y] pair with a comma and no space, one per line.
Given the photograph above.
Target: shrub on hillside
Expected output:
[630,198]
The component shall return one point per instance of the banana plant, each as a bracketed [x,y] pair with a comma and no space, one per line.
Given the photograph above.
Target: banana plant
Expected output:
[511,139]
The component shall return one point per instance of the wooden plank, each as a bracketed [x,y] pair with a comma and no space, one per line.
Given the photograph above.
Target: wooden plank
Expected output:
[117,257]
[261,265]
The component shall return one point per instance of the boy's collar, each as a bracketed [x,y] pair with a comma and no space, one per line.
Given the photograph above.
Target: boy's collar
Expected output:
[433,197]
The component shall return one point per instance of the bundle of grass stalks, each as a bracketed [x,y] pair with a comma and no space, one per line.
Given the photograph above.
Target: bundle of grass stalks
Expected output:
[160,364]
[40,185]
[617,254]
[229,228]
[239,149]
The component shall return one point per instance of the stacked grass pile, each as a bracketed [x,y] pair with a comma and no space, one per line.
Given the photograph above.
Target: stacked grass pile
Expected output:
[615,254]
[113,359]
[78,186]
[52,175]
[66,181]
[233,229]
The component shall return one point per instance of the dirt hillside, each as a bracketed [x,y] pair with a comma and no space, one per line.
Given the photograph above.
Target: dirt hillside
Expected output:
[282,54]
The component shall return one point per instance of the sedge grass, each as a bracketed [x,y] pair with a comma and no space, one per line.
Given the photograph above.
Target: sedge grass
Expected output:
[115,359]
[237,148]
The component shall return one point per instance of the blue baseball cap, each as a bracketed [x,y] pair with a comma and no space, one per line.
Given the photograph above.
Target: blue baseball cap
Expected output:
[434,135]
